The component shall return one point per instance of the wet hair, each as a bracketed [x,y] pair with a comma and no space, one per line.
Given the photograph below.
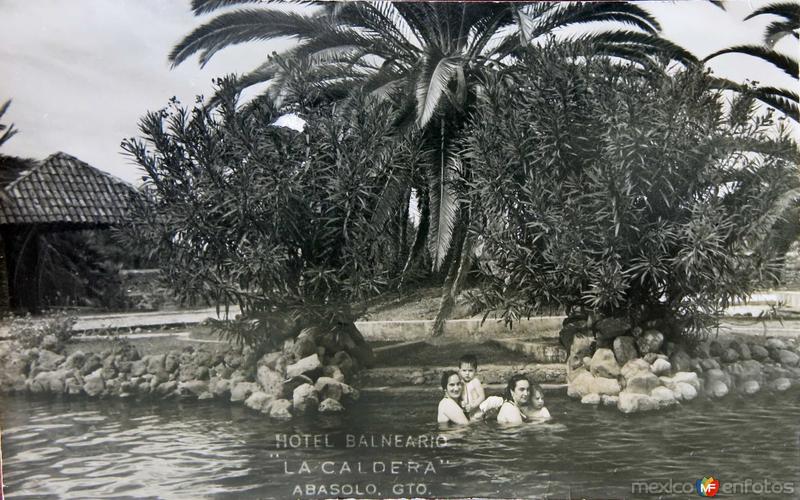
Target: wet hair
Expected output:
[469,359]
[512,384]
[446,376]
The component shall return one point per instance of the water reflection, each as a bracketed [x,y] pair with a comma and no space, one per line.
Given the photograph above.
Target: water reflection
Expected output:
[99,449]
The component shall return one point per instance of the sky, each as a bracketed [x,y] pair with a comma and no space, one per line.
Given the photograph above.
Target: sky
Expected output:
[81,73]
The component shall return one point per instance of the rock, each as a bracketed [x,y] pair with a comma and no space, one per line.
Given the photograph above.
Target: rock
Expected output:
[202,358]
[750,387]
[650,358]
[281,409]
[604,364]
[93,383]
[303,347]
[193,387]
[591,399]
[758,352]
[275,361]
[49,382]
[715,349]
[660,366]
[91,363]
[73,387]
[684,391]
[730,356]
[234,359]
[581,347]
[741,349]
[330,405]
[608,400]
[717,375]
[166,388]
[780,384]
[663,396]
[787,358]
[270,380]
[186,372]
[586,361]
[690,378]
[775,344]
[344,362]
[634,367]
[305,398]
[48,360]
[642,383]
[709,364]
[219,387]
[630,402]
[605,386]
[680,361]
[575,328]
[259,401]
[328,388]
[611,328]
[747,370]
[304,366]
[171,363]
[75,360]
[155,363]
[335,373]
[242,390]
[625,349]
[418,381]
[580,385]
[650,341]
[138,368]
[289,385]
[717,388]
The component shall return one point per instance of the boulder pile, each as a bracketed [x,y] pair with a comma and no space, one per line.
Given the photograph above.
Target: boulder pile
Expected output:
[310,373]
[637,369]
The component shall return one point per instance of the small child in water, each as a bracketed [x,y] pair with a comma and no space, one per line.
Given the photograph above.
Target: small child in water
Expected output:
[490,407]
[472,395]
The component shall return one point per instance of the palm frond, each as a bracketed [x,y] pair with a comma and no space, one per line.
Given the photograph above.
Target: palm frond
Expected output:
[787,10]
[780,61]
[436,74]
[244,26]
[200,7]
[778,30]
[559,15]
[444,210]
[10,131]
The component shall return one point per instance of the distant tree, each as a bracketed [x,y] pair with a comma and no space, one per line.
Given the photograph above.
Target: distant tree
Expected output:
[624,192]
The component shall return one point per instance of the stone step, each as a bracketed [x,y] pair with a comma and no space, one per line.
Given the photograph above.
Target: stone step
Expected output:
[395,376]
[538,350]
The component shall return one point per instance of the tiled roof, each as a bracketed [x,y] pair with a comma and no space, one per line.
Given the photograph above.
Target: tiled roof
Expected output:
[63,189]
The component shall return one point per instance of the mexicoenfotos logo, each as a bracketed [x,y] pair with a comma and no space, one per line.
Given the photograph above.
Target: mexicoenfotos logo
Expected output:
[707,487]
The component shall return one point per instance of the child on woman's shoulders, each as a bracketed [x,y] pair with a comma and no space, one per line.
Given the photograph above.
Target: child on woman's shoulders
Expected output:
[473,394]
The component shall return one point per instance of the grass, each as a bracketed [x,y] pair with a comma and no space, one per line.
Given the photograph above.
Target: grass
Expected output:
[444,355]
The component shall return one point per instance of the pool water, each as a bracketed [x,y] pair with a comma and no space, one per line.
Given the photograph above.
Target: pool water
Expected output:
[389,446]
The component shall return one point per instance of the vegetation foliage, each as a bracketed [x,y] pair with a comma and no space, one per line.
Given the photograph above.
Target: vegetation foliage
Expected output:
[243,212]
[624,192]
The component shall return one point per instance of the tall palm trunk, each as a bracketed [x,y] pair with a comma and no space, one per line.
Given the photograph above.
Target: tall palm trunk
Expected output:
[456,276]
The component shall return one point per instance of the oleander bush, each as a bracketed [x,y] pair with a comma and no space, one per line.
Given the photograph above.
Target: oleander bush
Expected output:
[294,227]
[624,192]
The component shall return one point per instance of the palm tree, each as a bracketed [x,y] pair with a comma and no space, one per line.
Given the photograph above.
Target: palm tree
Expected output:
[6,131]
[428,58]
[784,100]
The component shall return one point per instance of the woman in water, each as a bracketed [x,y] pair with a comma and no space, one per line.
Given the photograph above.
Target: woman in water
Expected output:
[522,402]
[449,407]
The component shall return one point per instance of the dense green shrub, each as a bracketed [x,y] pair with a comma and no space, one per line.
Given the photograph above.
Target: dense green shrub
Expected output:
[30,332]
[277,221]
[624,192]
